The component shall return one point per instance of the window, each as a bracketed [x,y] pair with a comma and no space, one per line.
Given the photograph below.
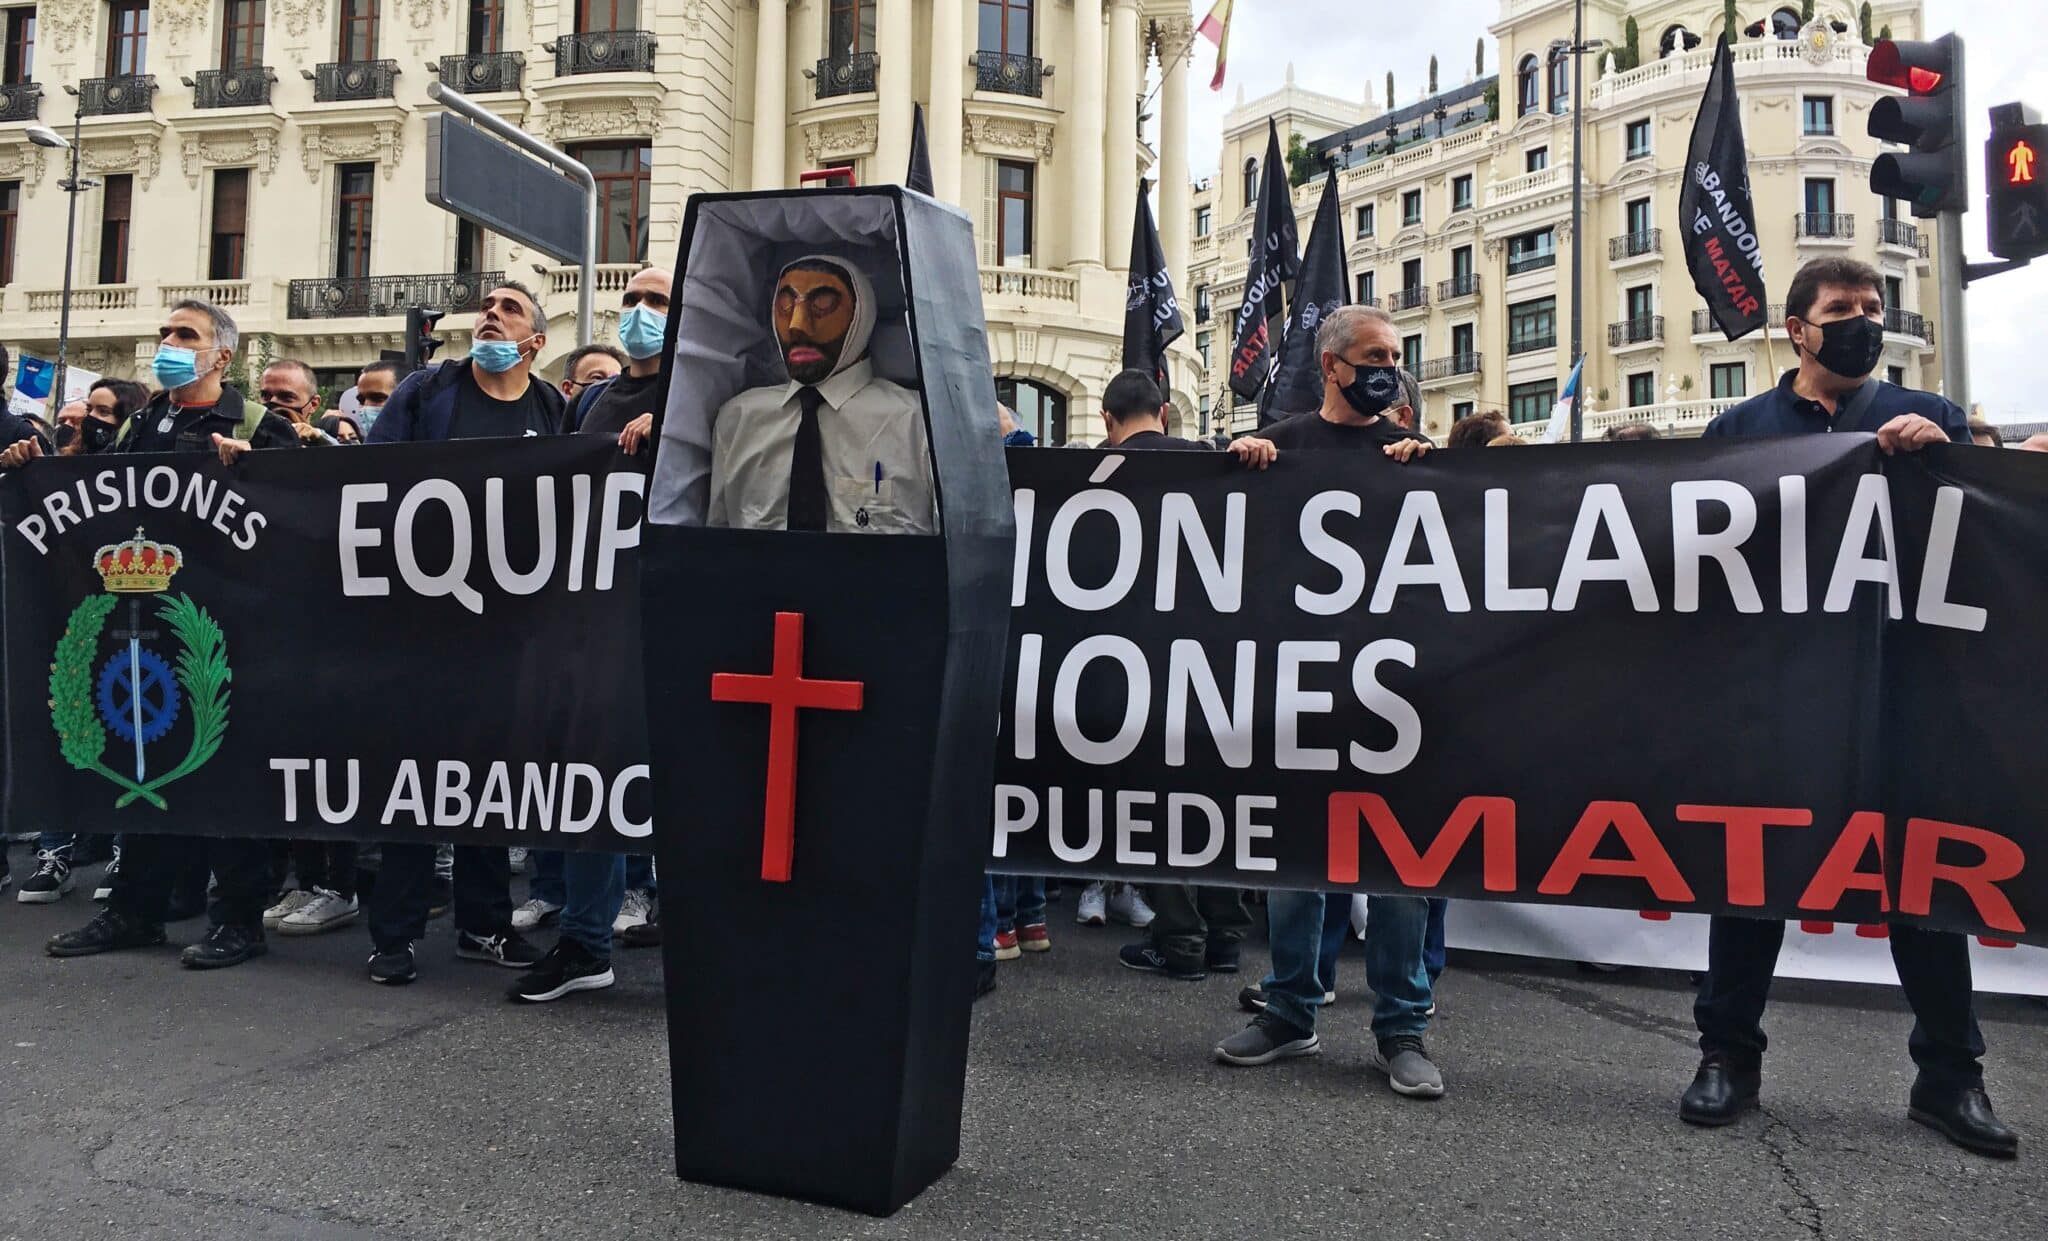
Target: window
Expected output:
[1251,182]
[1039,409]
[1204,220]
[224,260]
[127,39]
[1888,209]
[358,32]
[1677,38]
[10,219]
[1461,193]
[1895,376]
[486,27]
[1461,268]
[1536,160]
[1460,410]
[1202,310]
[1531,252]
[1641,304]
[21,45]
[1785,24]
[602,15]
[1411,207]
[1366,290]
[1532,325]
[355,190]
[1560,83]
[1411,275]
[1461,341]
[834,177]
[1006,26]
[1531,402]
[1894,293]
[1363,218]
[1818,114]
[1411,353]
[1202,345]
[1820,196]
[1637,213]
[241,34]
[1525,87]
[1636,141]
[622,172]
[1642,389]
[470,257]
[117,206]
[1727,381]
[1013,212]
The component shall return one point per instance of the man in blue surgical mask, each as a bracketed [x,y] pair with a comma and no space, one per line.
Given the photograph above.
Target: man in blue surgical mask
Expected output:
[625,406]
[490,393]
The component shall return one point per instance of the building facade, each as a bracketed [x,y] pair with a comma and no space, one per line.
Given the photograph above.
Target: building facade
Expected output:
[270,155]
[1457,211]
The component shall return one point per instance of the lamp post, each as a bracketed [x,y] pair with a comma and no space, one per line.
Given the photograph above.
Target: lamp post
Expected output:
[1577,48]
[44,136]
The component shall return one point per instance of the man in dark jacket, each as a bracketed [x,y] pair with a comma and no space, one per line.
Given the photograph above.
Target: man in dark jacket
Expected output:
[196,412]
[491,393]
[1834,313]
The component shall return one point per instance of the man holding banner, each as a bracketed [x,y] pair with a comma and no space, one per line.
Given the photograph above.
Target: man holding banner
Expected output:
[1835,317]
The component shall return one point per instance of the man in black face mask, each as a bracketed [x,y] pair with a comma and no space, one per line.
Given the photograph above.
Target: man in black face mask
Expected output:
[1363,397]
[1835,317]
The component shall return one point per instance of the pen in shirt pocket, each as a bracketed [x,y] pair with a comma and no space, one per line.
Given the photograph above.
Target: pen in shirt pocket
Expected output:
[878,478]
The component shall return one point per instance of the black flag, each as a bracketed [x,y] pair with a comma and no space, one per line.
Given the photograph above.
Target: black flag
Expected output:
[1275,257]
[1152,318]
[919,177]
[1715,212]
[1297,385]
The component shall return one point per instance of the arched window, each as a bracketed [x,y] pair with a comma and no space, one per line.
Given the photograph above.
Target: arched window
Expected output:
[1560,83]
[1785,24]
[1677,39]
[1251,182]
[1039,409]
[1525,87]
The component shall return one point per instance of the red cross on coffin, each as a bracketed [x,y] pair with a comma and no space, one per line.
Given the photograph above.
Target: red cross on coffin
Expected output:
[785,690]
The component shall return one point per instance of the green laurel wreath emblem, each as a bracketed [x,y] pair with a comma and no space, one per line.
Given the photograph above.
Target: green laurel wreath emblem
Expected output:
[202,671]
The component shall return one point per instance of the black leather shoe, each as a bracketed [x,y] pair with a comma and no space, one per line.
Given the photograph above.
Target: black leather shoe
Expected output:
[1720,1092]
[109,931]
[1965,1118]
[224,946]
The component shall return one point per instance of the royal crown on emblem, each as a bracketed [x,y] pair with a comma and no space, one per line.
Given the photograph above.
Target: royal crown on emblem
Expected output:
[139,566]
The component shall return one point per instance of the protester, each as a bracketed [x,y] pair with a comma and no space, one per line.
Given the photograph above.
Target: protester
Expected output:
[1834,315]
[195,412]
[585,366]
[342,428]
[492,392]
[374,385]
[1362,412]
[1633,431]
[289,389]
[1015,434]
[624,405]
[1477,430]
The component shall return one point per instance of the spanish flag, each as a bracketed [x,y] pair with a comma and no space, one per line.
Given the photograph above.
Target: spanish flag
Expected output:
[1217,27]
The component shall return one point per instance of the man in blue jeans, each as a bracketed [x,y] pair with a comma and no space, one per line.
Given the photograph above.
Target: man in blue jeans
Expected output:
[594,885]
[1364,403]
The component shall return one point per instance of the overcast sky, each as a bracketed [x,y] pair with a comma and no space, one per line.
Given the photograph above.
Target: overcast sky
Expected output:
[1349,56]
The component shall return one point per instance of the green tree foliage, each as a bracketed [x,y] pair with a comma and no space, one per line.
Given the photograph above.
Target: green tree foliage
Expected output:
[1390,90]
[1432,75]
[1731,21]
[1303,165]
[1863,22]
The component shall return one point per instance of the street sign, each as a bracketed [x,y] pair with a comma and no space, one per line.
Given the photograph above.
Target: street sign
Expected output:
[2016,185]
[494,186]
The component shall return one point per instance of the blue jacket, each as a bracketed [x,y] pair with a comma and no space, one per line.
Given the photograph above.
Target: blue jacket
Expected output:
[1781,411]
[423,406]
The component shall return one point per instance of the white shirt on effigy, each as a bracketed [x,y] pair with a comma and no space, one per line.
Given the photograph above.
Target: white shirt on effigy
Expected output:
[878,467]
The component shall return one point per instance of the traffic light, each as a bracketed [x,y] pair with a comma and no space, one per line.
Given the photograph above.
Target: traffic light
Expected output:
[1932,176]
[2016,183]
[420,343]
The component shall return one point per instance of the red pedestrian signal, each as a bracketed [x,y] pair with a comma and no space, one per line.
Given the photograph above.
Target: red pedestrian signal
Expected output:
[2016,186]
[2019,163]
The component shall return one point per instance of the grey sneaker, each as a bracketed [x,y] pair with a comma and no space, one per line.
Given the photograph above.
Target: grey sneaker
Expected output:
[1265,1040]
[1408,1067]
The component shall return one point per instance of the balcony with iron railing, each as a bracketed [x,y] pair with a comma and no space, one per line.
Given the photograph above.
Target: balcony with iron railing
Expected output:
[1907,323]
[1647,243]
[1531,342]
[20,101]
[352,81]
[1415,298]
[1641,330]
[851,73]
[123,95]
[1901,234]
[231,88]
[373,297]
[1448,368]
[1010,75]
[1534,260]
[1824,226]
[603,51]
[483,73]
[1456,287]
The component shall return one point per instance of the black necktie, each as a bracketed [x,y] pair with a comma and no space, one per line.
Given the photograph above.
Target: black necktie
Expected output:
[807,500]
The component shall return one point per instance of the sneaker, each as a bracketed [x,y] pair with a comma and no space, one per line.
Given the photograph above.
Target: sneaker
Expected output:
[1034,938]
[1149,960]
[52,878]
[224,946]
[105,891]
[1220,957]
[646,935]
[393,967]
[107,932]
[633,911]
[508,949]
[1265,1040]
[1408,1067]
[1006,946]
[568,966]
[517,857]
[533,913]
[293,902]
[1093,907]
[1127,905]
[327,911]
[1253,999]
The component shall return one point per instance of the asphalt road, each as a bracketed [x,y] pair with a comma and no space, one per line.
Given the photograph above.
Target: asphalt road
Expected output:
[291,1098]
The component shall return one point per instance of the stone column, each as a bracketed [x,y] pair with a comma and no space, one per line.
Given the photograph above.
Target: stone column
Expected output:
[942,123]
[896,55]
[1174,39]
[771,94]
[1125,74]
[1083,138]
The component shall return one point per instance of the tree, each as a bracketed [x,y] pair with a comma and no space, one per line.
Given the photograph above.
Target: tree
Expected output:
[1479,58]
[1303,165]
[1805,11]
[1863,22]
[1631,53]
[1390,90]
[1432,75]
[1885,32]
[1731,22]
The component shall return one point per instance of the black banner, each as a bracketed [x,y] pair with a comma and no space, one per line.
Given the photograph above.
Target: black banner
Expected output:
[1273,261]
[1152,318]
[421,642]
[1716,216]
[1323,285]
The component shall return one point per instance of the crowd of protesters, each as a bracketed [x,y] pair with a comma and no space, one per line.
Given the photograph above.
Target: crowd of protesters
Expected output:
[250,888]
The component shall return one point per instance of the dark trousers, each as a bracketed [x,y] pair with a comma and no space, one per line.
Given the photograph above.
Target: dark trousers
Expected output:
[152,865]
[405,887]
[1187,918]
[329,864]
[1934,971]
